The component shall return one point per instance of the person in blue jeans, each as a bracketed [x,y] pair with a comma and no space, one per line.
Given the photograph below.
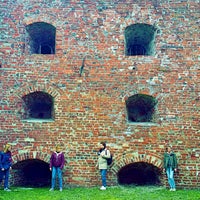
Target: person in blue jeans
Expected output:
[57,162]
[5,166]
[103,155]
[170,166]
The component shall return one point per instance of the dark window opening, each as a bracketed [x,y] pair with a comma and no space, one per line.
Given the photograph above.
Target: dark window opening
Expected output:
[139,39]
[46,49]
[139,173]
[141,108]
[41,38]
[38,105]
[31,173]
[136,50]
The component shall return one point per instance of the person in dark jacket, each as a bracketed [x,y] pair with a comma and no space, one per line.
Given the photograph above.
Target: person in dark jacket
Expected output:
[57,162]
[170,165]
[5,166]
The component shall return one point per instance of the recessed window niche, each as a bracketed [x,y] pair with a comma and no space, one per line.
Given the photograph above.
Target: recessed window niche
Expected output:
[41,38]
[140,40]
[140,108]
[38,105]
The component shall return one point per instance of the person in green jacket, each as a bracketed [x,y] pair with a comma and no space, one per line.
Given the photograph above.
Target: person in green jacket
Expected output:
[102,164]
[170,165]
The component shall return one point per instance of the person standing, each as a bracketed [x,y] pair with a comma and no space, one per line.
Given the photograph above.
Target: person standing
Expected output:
[57,162]
[170,166]
[5,166]
[103,155]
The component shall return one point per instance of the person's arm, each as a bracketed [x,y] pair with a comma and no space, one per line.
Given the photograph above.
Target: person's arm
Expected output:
[106,154]
[164,161]
[50,164]
[10,160]
[62,161]
[175,162]
[97,162]
[1,161]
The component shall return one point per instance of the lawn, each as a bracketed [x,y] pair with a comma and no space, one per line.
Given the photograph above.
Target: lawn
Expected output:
[112,193]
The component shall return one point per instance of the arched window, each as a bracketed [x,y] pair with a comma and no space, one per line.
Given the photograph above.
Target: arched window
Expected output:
[38,105]
[41,38]
[140,108]
[139,39]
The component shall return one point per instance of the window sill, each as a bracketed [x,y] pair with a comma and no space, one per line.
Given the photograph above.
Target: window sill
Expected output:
[144,123]
[38,120]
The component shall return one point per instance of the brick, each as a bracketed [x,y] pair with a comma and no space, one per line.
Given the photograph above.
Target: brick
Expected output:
[90,107]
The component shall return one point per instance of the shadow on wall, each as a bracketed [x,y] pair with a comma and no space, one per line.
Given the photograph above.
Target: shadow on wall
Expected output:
[31,173]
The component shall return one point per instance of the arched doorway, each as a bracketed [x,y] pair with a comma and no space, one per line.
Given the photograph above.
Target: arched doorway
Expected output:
[31,173]
[139,173]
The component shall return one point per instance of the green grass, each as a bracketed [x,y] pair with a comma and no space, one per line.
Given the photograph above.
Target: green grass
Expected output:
[112,193]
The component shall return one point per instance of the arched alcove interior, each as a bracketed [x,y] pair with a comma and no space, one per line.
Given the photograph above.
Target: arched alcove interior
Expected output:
[139,173]
[140,108]
[31,173]
[140,39]
[41,38]
[38,105]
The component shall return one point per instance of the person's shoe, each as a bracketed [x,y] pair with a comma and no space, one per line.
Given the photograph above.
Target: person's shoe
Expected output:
[51,189]
[103,188]
[60,189]
[7,190]
[173,189]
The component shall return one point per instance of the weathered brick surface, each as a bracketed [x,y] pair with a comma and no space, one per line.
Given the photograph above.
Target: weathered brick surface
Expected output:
[91,108]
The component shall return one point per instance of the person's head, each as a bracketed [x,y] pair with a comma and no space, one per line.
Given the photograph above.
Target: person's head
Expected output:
[102,145]
[168,149]
[7,148]
[58,148]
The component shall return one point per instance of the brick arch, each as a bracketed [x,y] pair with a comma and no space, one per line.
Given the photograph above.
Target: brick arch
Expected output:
[140,17]
[133,92]
[33,87]
[30,155]
[30,87]
[45,19]
[129,158]
[53,20]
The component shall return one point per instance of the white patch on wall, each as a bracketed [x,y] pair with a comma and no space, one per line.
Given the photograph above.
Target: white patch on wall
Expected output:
[29,139]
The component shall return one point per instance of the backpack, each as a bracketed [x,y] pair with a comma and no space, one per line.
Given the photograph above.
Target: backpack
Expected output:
[109,160]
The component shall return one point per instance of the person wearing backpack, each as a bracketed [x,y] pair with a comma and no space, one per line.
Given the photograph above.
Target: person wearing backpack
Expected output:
[102,164]
[5,166]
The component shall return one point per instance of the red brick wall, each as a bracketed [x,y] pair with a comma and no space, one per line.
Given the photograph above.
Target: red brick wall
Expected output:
[91,108]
